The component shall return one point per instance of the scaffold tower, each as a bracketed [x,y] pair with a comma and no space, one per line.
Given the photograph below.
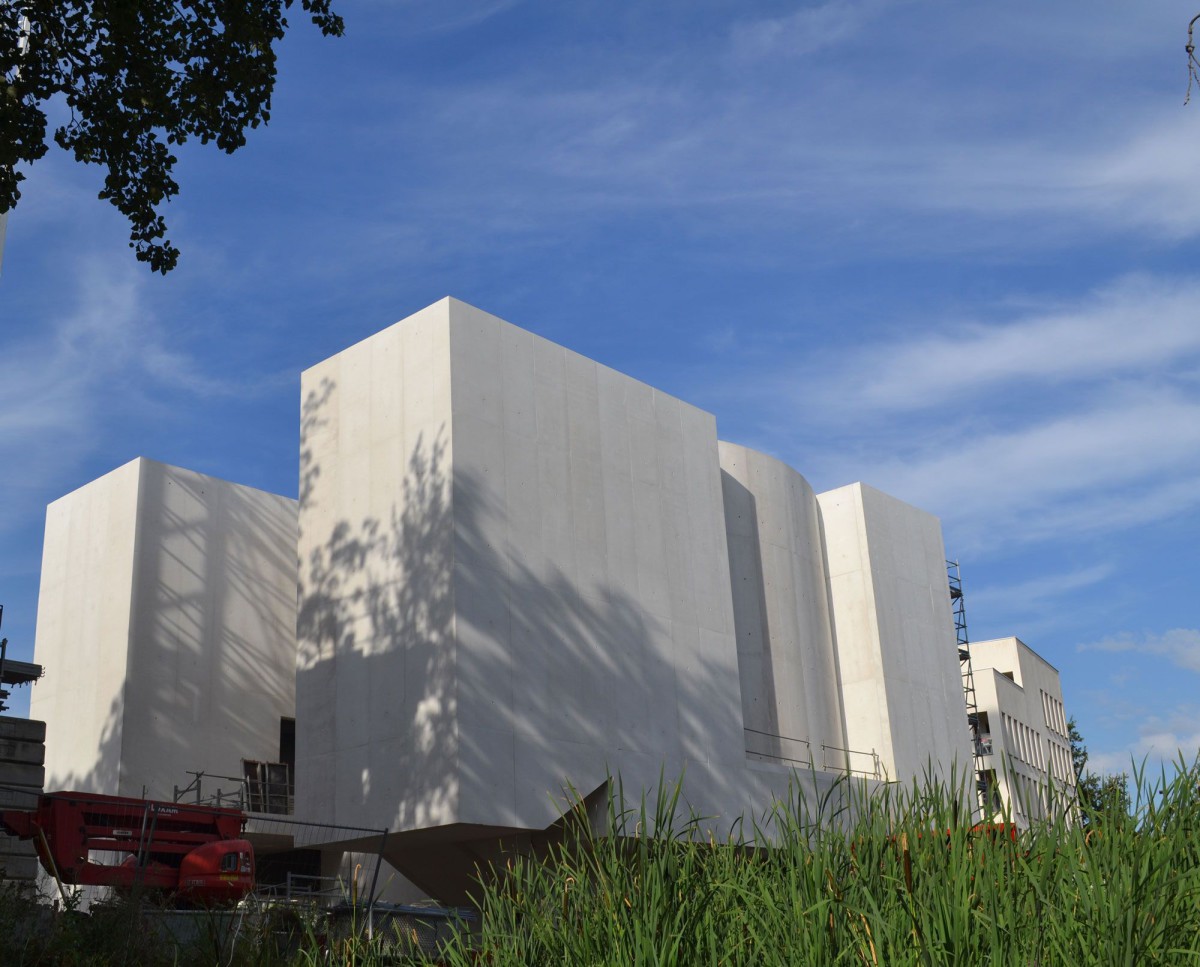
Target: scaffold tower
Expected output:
[958,608]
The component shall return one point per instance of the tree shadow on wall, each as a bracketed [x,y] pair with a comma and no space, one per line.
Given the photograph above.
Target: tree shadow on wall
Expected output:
[212,670]
[211,610]
[105,772]
[449,685]
[375,647]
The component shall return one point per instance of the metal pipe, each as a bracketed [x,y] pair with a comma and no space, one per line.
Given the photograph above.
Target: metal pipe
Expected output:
[53,866]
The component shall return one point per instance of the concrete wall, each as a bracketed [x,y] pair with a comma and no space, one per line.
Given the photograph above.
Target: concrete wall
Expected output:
[166,628]
[593,614]
[83,624]
[377,743]
[791,706]
[1030,753]
[514,577]
[897,653]
[212,642]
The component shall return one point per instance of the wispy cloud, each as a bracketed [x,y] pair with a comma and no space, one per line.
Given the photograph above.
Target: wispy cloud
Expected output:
[435,16]
[1131,178]
[803,31]
[105,354]
[1161,739]
[666,135]
[1180,646]
[1034,594]
[1136,324]
[1081,417]
[1136,440]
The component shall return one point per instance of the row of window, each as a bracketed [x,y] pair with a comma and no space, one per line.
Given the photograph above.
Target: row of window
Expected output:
[1028,800]
[1024,743]
[1061,767]
[1056,720]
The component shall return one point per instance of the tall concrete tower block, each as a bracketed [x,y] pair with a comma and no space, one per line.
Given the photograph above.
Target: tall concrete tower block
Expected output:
[897,653]
[1024,731]
[514,575]
[166,626]
[790,700]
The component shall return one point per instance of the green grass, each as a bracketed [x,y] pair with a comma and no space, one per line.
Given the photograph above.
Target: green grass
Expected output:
[894,878]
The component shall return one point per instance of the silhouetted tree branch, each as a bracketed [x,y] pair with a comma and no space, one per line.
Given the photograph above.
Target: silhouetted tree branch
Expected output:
[137,76]
[1192,64]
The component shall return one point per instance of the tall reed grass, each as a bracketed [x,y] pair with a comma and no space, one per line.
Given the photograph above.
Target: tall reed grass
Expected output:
[894,877]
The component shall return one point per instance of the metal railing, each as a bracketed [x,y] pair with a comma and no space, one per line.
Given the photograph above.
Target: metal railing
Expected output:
[847,762]
[833,758]
[801,747]
[251,794]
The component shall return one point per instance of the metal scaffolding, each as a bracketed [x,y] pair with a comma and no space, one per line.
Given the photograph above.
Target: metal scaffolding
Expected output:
[958,608]
[13,672]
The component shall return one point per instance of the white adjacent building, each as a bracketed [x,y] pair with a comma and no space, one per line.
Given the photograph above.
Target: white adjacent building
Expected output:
[519,571]
[1023,731]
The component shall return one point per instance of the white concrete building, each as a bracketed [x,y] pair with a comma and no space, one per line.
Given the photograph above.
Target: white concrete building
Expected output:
[1023,730]
[166,624]
[522,570]
[519,571]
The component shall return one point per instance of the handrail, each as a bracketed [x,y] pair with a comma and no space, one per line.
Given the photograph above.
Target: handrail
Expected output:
[844,765]
[874,772]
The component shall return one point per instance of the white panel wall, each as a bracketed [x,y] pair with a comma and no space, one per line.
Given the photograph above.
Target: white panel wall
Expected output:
[790,699]
[593,613]
[897,652]
[514,574]
[82,638]
[376,738]
[166,628]
[514,577]
[212,642]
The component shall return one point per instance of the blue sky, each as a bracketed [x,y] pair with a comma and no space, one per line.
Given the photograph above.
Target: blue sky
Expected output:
[949,249]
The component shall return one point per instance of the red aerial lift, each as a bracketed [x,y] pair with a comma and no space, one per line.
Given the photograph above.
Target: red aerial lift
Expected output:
[195,852]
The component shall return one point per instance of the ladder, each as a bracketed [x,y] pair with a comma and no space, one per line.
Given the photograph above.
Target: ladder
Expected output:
[958,608]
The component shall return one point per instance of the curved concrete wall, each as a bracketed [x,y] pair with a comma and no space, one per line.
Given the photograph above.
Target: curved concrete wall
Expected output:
[790,699]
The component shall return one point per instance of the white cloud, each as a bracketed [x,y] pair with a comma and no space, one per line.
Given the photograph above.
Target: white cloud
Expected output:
[1131,176]
[1161,741]
[106,352]
[1159,729]
[1126,459]
[1033,594]
[439,17]
[1180,646]
[1092,513]
[1083,417]
[746,148]
[1135,324]
[898,140]
[804,31]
